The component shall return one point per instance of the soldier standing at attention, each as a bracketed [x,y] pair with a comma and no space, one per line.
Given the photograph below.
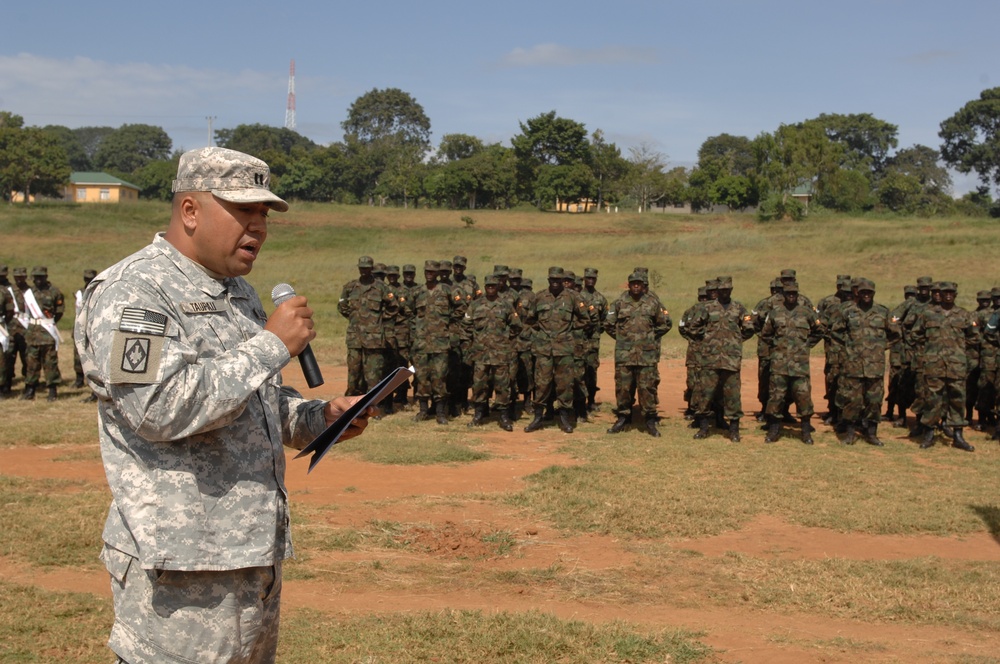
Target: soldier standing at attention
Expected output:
[833,351]
[984,309]
[722,325]
[913,381]
[864,329]
[404,329]
[558,314]
[593,358]
[759,314]
[894,399]
[573,283]
[524,375]
[45,306]
[88,276]
[790,330]
[6,315]
[369,306]
[437,311]
[692,359]
[490,327]
[636,322]
[989,361]
[945,333]
[399,338]
[461,369]
[17,325]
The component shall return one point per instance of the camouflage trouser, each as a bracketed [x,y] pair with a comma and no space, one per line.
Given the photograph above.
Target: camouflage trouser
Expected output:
[554,378]
[790,388]
[580,393]
[832,381]
[42,358]
[630,379]
[432,375]
[944,402]
[712,382]
[525,376]
[17,349]
[920,393]
[862,398]
[487,377]
[365,368]
[763,381]
[170,616]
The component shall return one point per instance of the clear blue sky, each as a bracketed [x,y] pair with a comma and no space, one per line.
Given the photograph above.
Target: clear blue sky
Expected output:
[667,74]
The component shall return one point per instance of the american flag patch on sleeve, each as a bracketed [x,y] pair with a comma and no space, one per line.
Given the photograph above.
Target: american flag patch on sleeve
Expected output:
[141,321]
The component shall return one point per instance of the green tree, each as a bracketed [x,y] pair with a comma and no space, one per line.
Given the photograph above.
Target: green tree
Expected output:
[262,140]
[90,139]
[32,161]
[609,166]
[971,138]
[131,147]
[70,141]
[547,140]
[647,181]
[866,139]
[458,146]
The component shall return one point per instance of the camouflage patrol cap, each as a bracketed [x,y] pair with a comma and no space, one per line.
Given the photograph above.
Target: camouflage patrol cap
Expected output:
[724,283]
[578,281]
[924,282]
[366,261]
[590,272]
[842,277]
[409,267]
[89,274]
[569,274]
[555,272]
[790,287]
[643,270]
[515,273]
[230,175]
[445,265]
[949,286]
[776,284]
[392,269]
[936,286]
[866,285]
[460,260]
[855,281]
[787,274]
[702,291]
[984,295]
[20,272]
[39,271]
[909,290]
[378,268]
[637,276]
[527,283]
[712,284]
[995,291]
[501,270]
[431,266]
[492,280]
[844,282]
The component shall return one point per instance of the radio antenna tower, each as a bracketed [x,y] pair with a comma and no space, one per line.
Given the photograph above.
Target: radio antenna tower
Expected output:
[290,108]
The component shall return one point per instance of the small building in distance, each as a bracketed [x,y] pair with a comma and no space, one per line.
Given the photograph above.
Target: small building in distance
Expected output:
[95,187]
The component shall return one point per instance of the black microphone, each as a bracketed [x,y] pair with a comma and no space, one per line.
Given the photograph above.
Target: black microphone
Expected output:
[283,293]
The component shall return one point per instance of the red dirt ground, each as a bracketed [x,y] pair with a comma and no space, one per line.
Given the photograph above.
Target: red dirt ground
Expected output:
[741,635]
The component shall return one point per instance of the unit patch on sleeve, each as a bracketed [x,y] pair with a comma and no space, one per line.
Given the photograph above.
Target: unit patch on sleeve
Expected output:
[135,358]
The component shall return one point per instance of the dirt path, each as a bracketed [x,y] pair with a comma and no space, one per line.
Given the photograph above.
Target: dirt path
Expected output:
[440,497]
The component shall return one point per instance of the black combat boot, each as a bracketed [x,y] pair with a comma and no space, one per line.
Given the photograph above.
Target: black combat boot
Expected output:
[871,434]
[441,411]
[478,415]
[52,393]
[424,413]
[5,392]
[78,383]
[807,431]
[505,422]
[773,430]
[29,393]
[619,424]
[734,429]
[850,434]
[958,440]
[926,437]
[529,407]
[89,399]
[703,428]
[536,423]
[651,429]
[565,420]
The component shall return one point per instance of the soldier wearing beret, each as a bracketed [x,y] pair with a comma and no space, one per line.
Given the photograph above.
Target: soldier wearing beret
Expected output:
[45,307]
[193,423]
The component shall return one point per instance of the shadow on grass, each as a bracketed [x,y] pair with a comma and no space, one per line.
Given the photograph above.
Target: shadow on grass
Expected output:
[990,514]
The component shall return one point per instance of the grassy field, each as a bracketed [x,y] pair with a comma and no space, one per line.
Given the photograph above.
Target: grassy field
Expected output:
[651,497]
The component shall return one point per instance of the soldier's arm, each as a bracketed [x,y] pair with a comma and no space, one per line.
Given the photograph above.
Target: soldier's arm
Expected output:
[344,303]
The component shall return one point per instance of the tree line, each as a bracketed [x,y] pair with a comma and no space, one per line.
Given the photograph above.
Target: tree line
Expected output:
[847,163]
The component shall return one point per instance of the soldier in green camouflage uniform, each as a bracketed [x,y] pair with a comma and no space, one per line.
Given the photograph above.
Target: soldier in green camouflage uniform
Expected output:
[45,305]
[460,370]
[989,362]
[593,357]
[17,325]
[193,422]
[490,327]
[864,329]
[945,333]
[437,313]
[693,357]
[398,353]
[524,377]
[894,399]
[558,313]
[833,350]
[722,325]
[790,330]
[88,276]
[369,306]
[759,315]
[582,337]
[911,381]
[984,309]
[636,322]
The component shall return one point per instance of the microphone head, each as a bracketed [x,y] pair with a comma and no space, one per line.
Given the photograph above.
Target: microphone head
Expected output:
[282,293]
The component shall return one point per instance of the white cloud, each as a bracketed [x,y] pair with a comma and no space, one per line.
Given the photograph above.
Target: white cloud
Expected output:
[554,55]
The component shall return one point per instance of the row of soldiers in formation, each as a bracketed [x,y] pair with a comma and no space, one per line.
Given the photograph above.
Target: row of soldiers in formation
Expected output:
[28,333]
[506,340]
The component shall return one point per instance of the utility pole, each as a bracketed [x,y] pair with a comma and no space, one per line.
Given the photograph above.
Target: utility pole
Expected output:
[290,106]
